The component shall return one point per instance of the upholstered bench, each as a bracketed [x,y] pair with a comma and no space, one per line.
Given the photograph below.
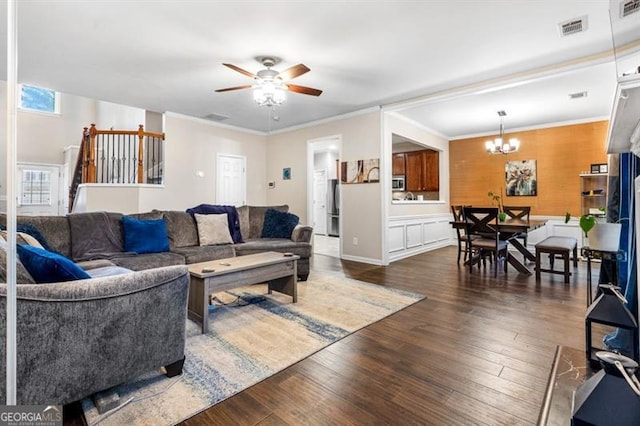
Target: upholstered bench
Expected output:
[553,246]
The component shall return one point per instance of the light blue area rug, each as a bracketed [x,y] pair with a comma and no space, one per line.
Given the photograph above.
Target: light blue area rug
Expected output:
[246,344]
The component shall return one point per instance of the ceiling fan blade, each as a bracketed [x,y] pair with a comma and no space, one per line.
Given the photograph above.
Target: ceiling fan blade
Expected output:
[304,90]
[228,89]
[293,72]
[240,70]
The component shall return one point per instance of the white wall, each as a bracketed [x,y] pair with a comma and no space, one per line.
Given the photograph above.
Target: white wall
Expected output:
[118,117]
[191,146]
[42,137]
[361,203]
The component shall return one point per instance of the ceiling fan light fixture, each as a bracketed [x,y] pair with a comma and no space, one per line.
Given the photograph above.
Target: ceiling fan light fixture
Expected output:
[269,94]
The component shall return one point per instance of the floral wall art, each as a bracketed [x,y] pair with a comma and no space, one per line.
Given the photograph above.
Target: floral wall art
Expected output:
[520,178]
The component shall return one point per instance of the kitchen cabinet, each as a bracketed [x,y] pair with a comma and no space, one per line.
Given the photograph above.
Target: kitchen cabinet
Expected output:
[398,163]
[422,170]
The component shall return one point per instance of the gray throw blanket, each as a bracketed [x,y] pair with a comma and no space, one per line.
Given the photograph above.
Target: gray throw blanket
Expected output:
[96,235]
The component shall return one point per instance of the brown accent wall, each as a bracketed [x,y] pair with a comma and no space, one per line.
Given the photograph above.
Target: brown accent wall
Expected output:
[561,153]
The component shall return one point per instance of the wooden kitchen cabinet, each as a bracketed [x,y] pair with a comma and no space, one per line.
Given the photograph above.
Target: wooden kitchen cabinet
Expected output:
[398,164]
[422,171]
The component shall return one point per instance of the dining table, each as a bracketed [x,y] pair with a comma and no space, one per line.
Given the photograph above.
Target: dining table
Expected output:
[509,229]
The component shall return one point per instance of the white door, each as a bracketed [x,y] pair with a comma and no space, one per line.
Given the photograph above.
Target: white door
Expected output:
[38,189]
[231,184]
[320,201]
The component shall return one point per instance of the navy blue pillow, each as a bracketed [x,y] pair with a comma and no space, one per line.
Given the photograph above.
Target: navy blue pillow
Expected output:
[48,267]
[145,235]
[278,224]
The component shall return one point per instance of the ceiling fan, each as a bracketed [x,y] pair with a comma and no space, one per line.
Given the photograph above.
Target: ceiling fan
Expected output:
[270,84]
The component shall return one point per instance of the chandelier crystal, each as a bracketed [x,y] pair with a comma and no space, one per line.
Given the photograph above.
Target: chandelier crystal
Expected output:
[499,145]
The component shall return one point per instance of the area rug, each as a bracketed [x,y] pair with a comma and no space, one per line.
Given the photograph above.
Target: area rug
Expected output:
[246,344]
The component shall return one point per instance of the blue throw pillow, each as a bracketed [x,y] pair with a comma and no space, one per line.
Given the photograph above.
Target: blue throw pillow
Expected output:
[278,224]
[145,235]
[48,267]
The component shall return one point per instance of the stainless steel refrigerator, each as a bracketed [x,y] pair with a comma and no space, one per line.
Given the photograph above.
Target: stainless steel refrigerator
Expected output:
[333,207]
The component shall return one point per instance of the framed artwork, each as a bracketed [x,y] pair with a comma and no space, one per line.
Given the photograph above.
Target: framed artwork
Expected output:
[360,171]
[521,178]
[286,173]
[599,168]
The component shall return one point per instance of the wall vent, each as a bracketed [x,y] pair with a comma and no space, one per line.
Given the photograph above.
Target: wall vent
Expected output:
[629,7]
[216,117]
[577,95]
[573,26]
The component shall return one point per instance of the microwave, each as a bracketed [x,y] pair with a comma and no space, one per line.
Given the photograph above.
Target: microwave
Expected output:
[397,183]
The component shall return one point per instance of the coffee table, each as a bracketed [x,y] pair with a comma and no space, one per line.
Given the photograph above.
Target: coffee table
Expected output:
[279,270]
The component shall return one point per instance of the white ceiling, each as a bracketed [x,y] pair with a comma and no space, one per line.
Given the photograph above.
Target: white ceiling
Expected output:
[168,55]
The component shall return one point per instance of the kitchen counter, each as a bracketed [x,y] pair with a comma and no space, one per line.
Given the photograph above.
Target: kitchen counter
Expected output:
[417,202]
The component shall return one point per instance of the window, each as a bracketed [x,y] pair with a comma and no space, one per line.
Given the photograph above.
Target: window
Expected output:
[39,99]
[35,188]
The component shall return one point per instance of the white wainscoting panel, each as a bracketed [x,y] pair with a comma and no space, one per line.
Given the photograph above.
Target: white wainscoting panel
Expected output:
[411,235]
[414,235]
[395,238]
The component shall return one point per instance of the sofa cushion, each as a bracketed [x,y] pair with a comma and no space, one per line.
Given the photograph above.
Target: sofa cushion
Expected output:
[145,235]
[48,267]
[108,271]
[213,229]
[88,265]
[141,262]
[197,254]
[273,244]
[232,217]
[278,224]
[154,214]
[254,219]
[95,235]
[182,229]
[22,275]
[54,230]
[23,238]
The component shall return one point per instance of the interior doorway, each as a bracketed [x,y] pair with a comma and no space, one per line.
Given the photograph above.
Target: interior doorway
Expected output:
[323,203]
[231,183]
[319,202]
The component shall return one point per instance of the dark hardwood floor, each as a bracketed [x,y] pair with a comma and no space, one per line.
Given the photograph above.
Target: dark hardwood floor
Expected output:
[478,350]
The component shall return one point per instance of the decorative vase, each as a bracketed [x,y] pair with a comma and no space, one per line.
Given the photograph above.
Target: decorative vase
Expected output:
[502,217]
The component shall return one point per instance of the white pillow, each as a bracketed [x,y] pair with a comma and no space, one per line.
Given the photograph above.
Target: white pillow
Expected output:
[213,229]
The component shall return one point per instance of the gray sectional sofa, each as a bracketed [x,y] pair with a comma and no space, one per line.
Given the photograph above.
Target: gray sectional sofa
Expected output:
[81,337]
[88,236]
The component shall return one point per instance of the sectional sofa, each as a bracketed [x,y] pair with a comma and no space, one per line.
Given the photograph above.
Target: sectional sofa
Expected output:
[77,338]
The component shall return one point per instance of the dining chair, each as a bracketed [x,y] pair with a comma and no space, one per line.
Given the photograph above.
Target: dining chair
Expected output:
[462,235]
[518,212]
[483,236]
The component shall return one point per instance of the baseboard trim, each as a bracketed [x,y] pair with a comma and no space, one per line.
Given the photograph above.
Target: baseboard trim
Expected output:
[367,260]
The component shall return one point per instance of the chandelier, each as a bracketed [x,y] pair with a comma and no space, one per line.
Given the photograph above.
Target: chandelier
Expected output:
[499,145]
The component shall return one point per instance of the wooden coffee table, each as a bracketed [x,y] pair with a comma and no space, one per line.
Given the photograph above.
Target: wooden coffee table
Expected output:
[280,271]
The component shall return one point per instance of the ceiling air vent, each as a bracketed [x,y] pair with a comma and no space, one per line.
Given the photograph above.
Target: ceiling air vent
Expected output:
[573,26]
[629,7]
[577,95]
[216,117]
